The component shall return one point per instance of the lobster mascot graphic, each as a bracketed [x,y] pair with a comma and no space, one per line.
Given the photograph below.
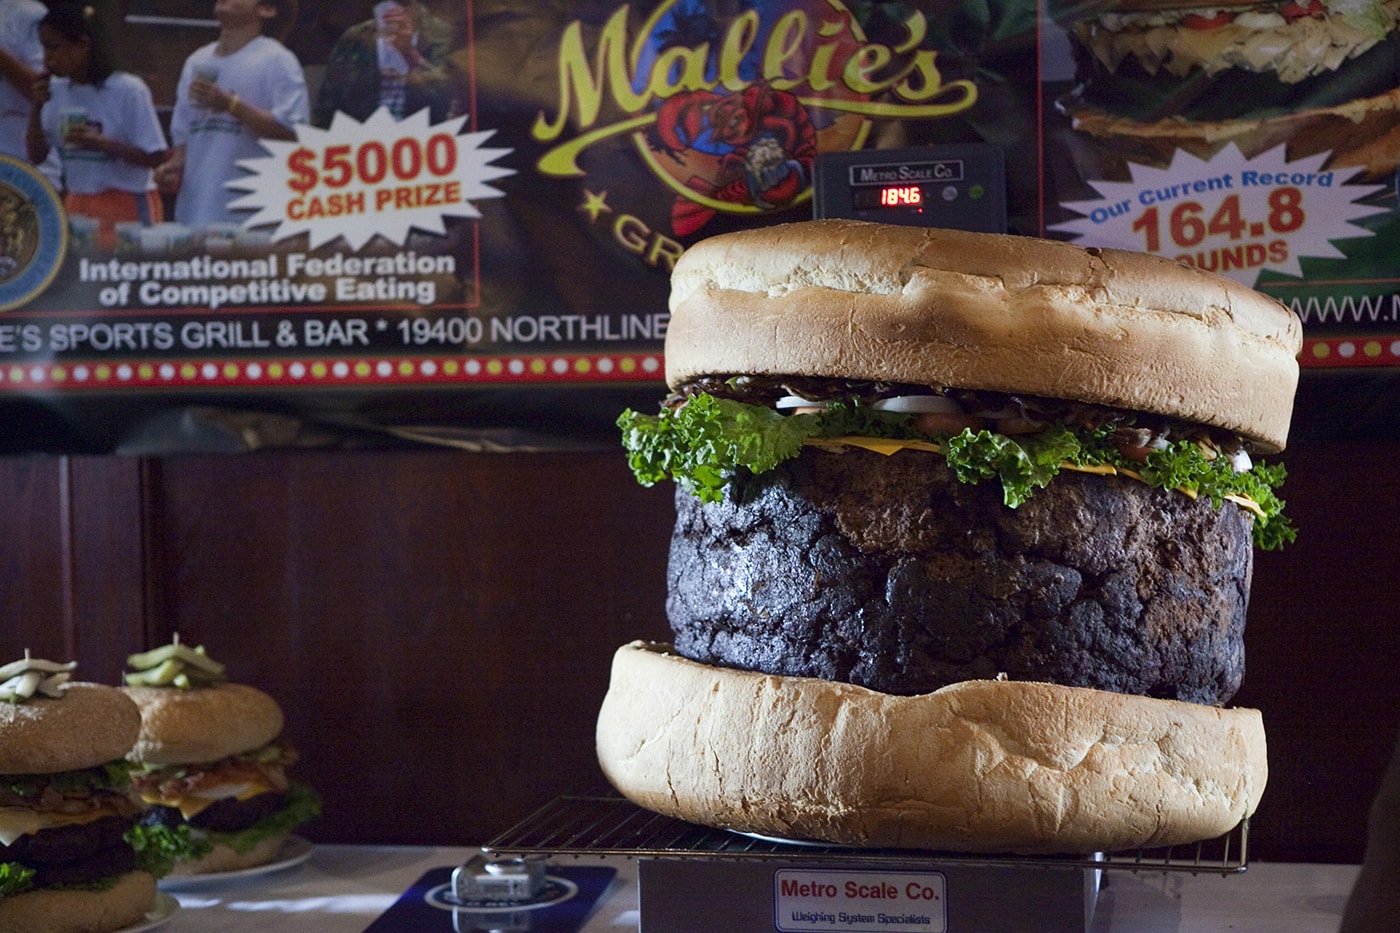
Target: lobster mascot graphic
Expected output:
[762,143]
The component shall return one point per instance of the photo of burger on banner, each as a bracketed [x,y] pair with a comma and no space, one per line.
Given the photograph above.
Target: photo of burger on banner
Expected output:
[1255,139]
[1154,76]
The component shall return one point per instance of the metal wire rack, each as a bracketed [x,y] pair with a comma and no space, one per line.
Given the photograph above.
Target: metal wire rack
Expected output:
[602,826]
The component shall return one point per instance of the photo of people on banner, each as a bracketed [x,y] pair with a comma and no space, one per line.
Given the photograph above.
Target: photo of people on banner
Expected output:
[140,112]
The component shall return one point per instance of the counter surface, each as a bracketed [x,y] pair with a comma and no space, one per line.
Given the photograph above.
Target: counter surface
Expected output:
[344,888]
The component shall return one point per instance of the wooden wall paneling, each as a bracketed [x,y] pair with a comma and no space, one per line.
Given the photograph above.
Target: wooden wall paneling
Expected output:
[112,582]
[1322,647]
[34,564]
[437,625]
[72,573]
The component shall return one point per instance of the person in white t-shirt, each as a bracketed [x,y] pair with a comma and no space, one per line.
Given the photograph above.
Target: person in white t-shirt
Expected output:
[101,123]
[21,61]
[243,87]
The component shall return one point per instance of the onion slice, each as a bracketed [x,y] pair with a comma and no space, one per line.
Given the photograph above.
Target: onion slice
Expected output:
[797,401]
[910,404]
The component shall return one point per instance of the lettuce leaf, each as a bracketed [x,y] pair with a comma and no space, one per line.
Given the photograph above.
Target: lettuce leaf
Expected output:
[1184,466]
[1366,16]
[159,847]
[1022,465]
[15,878]
[112,776]
[709,442]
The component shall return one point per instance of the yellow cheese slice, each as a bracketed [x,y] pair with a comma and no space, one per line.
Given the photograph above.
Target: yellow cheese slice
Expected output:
[191,805]
[880,445]
[20,821]
[1245,502]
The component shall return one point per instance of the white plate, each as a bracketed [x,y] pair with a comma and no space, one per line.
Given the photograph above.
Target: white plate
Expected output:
[164,907]
[293,852]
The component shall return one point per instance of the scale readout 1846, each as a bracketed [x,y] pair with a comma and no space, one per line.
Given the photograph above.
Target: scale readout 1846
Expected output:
[961,187]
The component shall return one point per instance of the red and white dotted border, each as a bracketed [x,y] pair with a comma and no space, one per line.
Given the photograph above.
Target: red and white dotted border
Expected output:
[1378,350]
[330,371]
[445,370]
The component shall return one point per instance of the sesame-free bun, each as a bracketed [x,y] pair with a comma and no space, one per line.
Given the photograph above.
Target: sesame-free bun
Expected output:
[1363,133]
[90,725]
[202,724]
[978,766]
[56,910]
[1016,314]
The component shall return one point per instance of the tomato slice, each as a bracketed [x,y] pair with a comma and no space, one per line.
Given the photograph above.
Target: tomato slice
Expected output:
[1197,21]
[1294,10]
[1135,453]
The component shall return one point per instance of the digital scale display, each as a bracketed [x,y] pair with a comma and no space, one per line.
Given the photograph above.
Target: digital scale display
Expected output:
[961,187]
[888,196]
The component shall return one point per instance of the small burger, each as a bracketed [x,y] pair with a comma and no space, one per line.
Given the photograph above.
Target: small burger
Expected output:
[964,538]
[71,859]
[211,758]
[1158,75]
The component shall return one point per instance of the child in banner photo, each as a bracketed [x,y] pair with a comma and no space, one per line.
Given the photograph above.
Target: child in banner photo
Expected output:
[243,87]
[101,123]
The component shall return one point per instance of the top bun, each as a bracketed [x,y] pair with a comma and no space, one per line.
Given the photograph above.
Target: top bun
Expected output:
[1014,314]
[90,725]
[183,727]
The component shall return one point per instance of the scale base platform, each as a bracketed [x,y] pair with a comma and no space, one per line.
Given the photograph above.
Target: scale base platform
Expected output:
[698,879]
[753,896]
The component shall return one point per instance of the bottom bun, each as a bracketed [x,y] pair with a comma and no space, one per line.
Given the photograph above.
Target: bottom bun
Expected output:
[224,858]
[70,911]
[978,766]
[1360,133]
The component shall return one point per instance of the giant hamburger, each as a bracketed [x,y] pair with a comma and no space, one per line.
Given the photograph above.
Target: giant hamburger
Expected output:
[68,854]
[1158,75]
[211,758]
[963,542]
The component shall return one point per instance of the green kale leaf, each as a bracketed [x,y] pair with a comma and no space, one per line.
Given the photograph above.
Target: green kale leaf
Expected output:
[708,442]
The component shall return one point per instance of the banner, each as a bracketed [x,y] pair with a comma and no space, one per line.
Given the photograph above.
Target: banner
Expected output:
[463,215]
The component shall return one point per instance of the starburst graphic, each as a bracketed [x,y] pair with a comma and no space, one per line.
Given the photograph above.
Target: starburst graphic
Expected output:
[383,177]
[1229,214]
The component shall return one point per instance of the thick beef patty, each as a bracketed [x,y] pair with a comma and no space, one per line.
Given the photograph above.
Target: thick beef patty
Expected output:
[889,573]
[77,854]
[229,815]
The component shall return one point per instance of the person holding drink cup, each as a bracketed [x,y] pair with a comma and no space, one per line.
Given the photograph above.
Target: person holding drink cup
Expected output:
[398,60]
[243,87]
[100,122]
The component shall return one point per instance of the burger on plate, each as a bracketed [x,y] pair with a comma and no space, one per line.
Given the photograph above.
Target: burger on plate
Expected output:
[211,757]
[964,539]
[1157,75]
[69,859]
